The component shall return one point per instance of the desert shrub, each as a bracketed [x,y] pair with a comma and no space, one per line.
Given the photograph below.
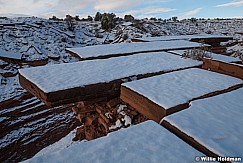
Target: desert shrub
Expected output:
[55,18]
[98,16]
[238,54]
[128,18]
[193,20]
[76,18]
[90,18]
[69,20]
[108,21]
[197,54]
[154,19]
[3,17]
[174,19]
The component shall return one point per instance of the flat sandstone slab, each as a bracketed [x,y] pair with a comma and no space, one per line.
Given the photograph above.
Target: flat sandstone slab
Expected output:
[10,54]
[213,124]
[223,67]
[86,79]
[145,142]
[158,96]
[206,37]
[111,50]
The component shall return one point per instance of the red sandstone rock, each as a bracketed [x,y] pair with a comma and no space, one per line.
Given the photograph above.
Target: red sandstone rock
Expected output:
[75,110]
[113,102]
[102,122]
[81,118]
[10,73]
[54,57]
[100,110]
[80,134]
[97,118]
[234,70]
[91,120]
[90,132]
[105,118]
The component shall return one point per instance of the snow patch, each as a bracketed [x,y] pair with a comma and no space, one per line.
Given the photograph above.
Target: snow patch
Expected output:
[171,89]
[10,54]
[129,48]
[214,122]
[60,77]
[145,142]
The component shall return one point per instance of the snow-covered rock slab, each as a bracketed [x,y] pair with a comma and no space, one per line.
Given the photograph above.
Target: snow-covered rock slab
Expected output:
[216,57]
[158,96]
[111,50]
[214,123]
[231,69]
[145,142]
[92,79]
[10,54]
[186,37]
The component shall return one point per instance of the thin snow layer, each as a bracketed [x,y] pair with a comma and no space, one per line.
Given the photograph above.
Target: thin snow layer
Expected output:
[10,54]
[171,89]
[124,48]
[215,122]
[64,76]
[145,142]
[217,57]
[59,145]
[183,37]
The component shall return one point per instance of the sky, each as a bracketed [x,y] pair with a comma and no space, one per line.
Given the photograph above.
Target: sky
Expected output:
[138,8]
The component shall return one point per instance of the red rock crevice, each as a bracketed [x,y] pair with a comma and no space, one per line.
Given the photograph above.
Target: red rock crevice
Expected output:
[99,119]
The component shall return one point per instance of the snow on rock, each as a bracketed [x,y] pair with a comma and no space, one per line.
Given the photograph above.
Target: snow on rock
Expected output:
[215,122]
[60,77]
[127,23]
[121,108]
[118,124]
[183,37]
[171,89]
[10,54]
[11,86]
[238,48]
[59,145]
[217,57]
[129,48]
[128,120]
[3,64]
[145,142]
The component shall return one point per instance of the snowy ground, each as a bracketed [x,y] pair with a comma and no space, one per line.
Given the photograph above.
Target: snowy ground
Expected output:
[36,39]
[125,145]
[41,39]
